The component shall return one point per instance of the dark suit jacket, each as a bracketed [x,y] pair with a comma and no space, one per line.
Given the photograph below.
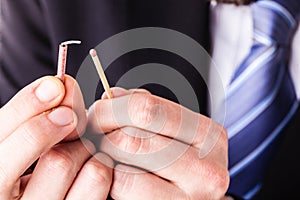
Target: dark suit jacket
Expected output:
[33,29]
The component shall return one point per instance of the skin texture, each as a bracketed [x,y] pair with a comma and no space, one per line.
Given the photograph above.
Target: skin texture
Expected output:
[164,151]
[33,122]
[160,151]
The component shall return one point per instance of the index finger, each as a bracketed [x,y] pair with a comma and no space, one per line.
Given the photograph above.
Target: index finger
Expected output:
[37,97]
[151,113]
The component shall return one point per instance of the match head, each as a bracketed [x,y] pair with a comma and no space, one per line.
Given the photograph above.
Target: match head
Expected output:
[93,52]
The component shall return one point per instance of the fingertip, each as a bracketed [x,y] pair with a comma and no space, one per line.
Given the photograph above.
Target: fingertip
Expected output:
[140,90]
[49,89]
[117,92]
[63,116]
[54,79]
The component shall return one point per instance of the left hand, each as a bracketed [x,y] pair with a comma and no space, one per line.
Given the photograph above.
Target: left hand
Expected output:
[38,117]
[173,152]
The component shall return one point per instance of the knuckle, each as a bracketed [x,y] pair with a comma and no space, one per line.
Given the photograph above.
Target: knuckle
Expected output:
[130,141]
[31,136]
[223,181]
[59,160]
[218,181]
[141,109]
[37,131]
[101,174]
[212,141]
[212,178]
[119,140]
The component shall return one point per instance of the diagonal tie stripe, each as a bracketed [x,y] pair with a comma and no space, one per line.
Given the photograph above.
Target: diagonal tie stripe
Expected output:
[261,98]
[256,84]
[280,10]
[250,139]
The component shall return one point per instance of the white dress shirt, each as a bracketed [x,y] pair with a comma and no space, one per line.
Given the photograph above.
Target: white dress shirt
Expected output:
[231,33]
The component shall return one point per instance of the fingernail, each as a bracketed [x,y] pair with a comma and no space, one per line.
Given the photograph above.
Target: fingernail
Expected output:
[62,116]
[47,91]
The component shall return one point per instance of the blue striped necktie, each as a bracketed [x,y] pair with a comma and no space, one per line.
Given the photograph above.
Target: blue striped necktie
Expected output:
[261,98]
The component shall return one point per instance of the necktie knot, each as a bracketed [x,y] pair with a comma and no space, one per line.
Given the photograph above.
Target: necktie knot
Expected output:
[275,21]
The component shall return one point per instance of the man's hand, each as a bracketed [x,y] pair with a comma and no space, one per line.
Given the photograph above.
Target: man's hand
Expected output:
[38,117]
[166,151]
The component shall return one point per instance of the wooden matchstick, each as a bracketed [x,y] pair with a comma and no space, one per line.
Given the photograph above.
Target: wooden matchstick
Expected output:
[101,74]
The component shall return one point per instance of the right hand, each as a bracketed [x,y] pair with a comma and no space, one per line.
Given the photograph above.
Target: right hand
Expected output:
[38,117]
[163,150]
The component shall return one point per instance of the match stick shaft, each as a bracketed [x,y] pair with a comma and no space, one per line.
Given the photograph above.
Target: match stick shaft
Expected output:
[62,58]
[101,73]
